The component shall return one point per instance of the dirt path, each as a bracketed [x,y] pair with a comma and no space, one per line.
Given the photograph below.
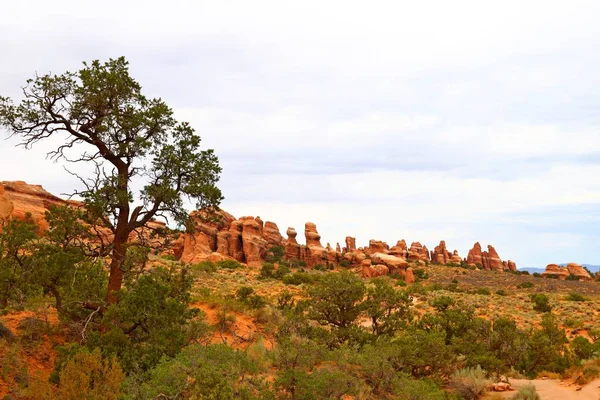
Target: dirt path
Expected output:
[549,389]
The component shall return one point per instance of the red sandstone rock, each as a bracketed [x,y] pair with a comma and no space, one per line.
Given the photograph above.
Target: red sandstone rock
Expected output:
[409,277]
[350,244]
[491,260]
[578,271]
[400,249]
[512,266]
[271,234]
[19,198]
[440,254]
[372,271]
[395,264]
[417,252]
[553,270]
[475,256]
[253,243]
[377,246]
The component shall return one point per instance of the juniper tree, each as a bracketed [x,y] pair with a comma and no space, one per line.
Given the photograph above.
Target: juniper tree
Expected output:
[103,119]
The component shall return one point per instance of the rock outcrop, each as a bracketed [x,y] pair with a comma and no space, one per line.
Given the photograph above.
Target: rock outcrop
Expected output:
[441,255]
[17,199]
[488,260]
[417,252]
[572,269]
[248,239]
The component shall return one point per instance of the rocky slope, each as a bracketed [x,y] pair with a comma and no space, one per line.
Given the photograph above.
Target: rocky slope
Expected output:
[249,239]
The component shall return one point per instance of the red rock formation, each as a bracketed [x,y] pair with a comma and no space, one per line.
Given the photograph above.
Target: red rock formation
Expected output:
[512,266]
[578,271]
[475,256]
[491,260]
[377,246]
[271,234]
[417,252]
[372,271]
[395,264]
[19,198]
[440,254]
[400,249]
[350,244]
[554,271]
[253,242]
[292,248]
[409,277]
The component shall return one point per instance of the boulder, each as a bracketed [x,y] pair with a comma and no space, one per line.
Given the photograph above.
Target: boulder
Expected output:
[395,264]
[400,249]
[372,271]
[554,271]
[377,246]
[578,271]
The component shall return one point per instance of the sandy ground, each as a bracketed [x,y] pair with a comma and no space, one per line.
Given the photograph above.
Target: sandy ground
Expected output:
[549,389]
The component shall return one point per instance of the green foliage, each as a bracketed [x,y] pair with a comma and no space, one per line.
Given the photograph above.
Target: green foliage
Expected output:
[285,300]
[574,296]
[388,309]
[541,302]
[152,320]
[526,392]
[6,333]
[420,274]
[16,263]
[244,293]
[525,285]
[102,107]
[203,373]
[299,278]
[228,264]
[275,254]
[582,348]
[501,292]
[470,383]
[204,266]
[335,299]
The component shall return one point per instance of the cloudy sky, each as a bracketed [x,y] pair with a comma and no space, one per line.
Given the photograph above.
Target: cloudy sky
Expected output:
[465,120]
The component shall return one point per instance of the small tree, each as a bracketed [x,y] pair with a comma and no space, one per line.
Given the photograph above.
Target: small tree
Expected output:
[106,121]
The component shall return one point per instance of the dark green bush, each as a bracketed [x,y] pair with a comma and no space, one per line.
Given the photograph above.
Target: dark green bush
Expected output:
[244,293]
[6,333]
[228,264]
[541,302]
[574,296]
[525,285]
[204,266]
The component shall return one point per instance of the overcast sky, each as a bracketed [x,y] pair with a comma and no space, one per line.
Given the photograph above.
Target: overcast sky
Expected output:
[457,120]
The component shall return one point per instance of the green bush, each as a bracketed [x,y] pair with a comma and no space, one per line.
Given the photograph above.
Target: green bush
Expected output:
[483,291]
[255,302]
[244,293]
[6,333]
[525,285]
[526,392]
[574,296]
[204,266]
[299,278]
[420,274]
[501,292]
[470,383]
[32,329]
[541,302]
[228,264]
[275,254]
[582,348]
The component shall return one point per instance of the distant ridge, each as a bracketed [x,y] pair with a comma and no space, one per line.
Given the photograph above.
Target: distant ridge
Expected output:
[531,270]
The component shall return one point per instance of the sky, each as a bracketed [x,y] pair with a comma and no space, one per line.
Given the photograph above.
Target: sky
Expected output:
[463,121]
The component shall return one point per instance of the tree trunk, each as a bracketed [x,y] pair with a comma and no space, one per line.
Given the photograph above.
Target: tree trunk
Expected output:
[56,294]
[115,278]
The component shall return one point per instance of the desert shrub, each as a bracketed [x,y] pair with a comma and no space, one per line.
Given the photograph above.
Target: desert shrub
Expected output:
[255,302]
[541,302]
[501,292]
[345,263]
[267,271]
[32,329]
[228,264]
[203,373]
[421,389]
[470,383]
[483,291]
[275,254]
[525,285]
[299,278]
[6,333]
[87,375]
[285,300]
[574,296]
[582,348]
[420,274]
[320,267]
[244,293]
[536,275]
[335,299]
[204,266]
[526,392]
[388,309]
[152,319]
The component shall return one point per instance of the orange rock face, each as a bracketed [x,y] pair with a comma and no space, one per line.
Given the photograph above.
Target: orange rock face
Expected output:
[554,271]
[418,252]
[578,271]
[350,244]
[19,198]
[372,271]
[400,249]
[488,260]
[441,255]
